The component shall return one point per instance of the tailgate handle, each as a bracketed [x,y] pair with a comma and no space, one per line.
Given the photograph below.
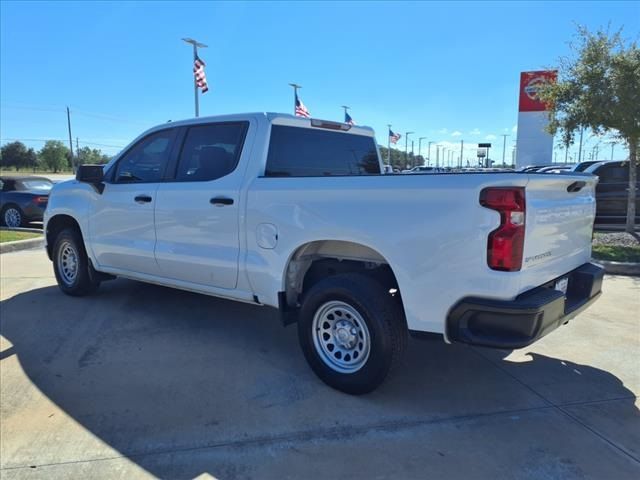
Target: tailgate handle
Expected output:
[576,186]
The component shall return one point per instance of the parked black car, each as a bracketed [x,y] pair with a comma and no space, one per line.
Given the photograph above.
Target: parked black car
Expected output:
[611,194]
[23,199]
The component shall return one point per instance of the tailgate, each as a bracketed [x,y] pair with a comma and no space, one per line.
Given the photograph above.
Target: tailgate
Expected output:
[559,225]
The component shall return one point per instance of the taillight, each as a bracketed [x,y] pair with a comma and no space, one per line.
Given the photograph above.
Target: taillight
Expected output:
[40,200]
[506,243]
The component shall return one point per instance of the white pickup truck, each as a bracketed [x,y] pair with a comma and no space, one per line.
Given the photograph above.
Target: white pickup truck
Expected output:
[295,214]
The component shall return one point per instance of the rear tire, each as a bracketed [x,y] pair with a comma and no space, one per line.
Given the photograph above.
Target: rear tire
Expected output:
[71,264]
[352,332]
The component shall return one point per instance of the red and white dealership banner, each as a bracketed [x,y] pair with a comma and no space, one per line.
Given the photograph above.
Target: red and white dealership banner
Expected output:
[534,145]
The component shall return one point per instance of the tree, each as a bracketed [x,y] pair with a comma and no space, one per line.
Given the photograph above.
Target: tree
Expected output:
[54,155]
[15,154]
[88,155]
[31,159]
[599,88]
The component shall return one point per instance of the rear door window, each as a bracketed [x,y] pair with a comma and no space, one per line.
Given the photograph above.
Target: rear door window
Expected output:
[211,151]
[307,152]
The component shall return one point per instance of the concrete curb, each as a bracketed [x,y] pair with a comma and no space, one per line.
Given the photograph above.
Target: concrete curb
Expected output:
[620,268]
[18,245]
[22,244]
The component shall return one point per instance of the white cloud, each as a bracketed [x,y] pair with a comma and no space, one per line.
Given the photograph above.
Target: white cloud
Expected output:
[475,131]
[443,130]
[456,133]
[490,137]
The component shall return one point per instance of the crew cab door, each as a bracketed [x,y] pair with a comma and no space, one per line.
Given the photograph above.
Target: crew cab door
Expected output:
[197,213]
[122,224]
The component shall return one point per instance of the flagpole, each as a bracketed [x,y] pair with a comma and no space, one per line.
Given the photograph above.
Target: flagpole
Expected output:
[195,44]
[389,146]
[295,95]
[345,111]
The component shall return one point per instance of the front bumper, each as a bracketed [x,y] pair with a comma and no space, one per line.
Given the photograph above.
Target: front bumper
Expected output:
[532,315]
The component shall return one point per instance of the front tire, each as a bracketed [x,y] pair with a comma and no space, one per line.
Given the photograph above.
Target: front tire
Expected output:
[12,216]
[71,264]
[352,332]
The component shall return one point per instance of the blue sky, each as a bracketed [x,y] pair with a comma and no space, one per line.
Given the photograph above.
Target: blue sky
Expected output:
[447,71]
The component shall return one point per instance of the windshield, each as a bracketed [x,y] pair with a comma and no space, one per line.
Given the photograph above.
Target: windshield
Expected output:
[36,185]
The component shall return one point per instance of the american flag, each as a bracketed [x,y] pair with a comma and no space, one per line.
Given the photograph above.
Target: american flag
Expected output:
[348,120]
[394,137]
[301,110]
[198,72]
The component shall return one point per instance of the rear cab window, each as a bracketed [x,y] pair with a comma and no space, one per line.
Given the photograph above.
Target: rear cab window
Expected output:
[309,152]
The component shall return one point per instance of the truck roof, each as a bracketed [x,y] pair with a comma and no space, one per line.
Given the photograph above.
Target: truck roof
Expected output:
[271,117]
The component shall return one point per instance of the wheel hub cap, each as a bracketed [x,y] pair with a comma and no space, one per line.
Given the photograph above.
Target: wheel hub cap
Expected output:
[341,337]
[12,218]
[68,263]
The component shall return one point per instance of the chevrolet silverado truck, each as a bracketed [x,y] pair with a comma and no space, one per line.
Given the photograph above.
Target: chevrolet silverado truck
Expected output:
[296,214]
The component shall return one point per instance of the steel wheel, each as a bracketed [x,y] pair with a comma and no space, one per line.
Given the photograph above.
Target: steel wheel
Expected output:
[12,217]
[68,263]
[341,337]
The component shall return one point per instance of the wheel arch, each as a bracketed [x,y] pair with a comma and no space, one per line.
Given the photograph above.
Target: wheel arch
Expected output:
[55,225]
[319,258]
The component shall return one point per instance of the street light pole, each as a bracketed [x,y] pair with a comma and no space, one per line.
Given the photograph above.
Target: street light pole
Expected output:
[504,146]
[580,148]
[429,152]
[406,148]
[461,152]
[295,95]
[420,147]
[195,44]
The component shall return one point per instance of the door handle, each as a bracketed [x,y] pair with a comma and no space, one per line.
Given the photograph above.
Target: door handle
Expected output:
[221,201]
[143,199]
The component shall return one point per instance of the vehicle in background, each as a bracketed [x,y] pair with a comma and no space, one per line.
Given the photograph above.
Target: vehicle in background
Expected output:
[272,209]
[555,169]
[424,169]
[611,194]
[23,199]
[582,166]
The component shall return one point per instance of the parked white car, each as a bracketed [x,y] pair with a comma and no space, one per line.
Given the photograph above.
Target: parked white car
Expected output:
[294,213]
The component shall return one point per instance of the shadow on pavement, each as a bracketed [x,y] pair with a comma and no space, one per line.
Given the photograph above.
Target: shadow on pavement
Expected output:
[148,369]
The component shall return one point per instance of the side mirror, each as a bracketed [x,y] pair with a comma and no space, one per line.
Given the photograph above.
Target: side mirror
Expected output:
[90,174]
[93,174]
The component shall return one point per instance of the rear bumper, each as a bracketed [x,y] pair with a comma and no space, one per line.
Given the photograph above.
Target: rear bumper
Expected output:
[532,315]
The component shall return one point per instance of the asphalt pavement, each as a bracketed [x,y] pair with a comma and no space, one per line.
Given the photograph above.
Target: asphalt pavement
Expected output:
[141,381]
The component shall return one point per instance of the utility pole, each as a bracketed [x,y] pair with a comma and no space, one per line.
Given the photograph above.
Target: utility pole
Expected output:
[195,44]
[429,152]
[389,145]
[406,148]
[612,145]
[295,94]
[580,148]
[566,153]
[437,156]
[504,146]
[420,148]
[461,152]
[77,149]
[73,165]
